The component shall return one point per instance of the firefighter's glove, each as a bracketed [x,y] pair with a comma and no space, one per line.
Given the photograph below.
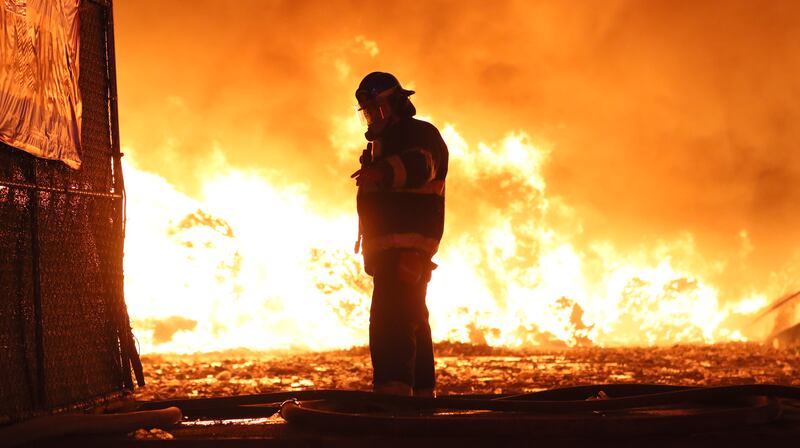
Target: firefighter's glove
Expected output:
[369,176]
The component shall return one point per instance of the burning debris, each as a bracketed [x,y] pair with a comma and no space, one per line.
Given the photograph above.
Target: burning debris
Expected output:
[470,369]
[509,279]
[788,337]
[786,324]
[622,178]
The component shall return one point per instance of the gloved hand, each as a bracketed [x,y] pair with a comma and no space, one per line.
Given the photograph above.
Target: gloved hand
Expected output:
[369,176]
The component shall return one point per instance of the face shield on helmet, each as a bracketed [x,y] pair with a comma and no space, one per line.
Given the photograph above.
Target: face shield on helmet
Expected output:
[377,95]
[372,113]
[374,109]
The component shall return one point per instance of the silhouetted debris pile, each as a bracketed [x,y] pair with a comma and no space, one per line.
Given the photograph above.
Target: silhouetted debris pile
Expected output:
[464,368]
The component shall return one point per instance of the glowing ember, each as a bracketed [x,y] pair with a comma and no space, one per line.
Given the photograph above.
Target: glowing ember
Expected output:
[470,369]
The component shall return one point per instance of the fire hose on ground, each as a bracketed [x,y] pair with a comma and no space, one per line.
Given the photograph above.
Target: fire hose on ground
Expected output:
[595,410]
[88,424]
[603,410]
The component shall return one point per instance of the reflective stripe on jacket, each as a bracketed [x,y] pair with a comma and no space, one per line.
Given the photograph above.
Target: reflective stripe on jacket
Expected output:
[407,209]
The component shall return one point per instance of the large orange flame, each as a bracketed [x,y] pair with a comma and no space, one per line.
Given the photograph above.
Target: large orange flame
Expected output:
[624,174]
[251,263]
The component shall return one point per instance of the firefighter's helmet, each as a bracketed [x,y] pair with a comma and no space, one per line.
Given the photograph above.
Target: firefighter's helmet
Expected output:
[379,95]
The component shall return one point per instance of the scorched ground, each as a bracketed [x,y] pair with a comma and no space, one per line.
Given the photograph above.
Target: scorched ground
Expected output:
[464,369]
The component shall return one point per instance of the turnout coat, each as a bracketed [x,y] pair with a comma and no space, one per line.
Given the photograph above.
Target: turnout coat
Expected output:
[406,210]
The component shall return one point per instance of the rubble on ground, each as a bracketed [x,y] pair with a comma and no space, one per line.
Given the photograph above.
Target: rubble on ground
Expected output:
[469,369]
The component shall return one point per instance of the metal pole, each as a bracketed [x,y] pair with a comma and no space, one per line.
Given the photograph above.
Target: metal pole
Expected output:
[128,347]
[38,316]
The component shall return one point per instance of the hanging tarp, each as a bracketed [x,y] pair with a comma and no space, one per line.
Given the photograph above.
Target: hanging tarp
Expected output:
[40,103]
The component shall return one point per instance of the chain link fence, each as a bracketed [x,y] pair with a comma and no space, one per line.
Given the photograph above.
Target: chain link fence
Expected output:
[65,337]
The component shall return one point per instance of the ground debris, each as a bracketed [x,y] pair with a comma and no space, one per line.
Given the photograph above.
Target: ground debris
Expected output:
[151,434]
[466,369]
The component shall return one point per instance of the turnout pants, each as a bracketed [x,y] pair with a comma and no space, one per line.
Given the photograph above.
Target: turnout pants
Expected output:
[399,334]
